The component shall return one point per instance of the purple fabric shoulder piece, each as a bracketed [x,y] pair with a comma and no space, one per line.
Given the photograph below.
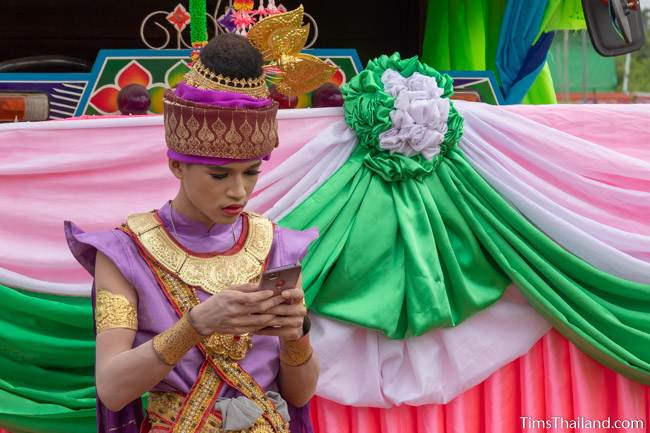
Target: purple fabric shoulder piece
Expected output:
[220,98]
[113,243]
[290,246]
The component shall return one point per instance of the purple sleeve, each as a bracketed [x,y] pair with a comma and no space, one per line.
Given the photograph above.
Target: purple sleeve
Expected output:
[290,246]
[114,244]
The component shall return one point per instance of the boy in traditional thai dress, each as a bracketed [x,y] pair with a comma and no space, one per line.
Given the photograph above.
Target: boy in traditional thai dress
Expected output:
[177,307]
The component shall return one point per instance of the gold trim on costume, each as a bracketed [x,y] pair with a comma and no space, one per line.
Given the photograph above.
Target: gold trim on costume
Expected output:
[296,353]
[211,274]
[165,407]
[114,311]
[204,78]
[199,403]
[233,346]
[204,130]
[178,273]
[173,343]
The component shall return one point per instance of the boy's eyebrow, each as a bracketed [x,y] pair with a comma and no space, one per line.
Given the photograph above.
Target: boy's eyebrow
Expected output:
[222,168]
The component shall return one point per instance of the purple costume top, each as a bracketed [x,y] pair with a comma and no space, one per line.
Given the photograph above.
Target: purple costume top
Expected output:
[155,314]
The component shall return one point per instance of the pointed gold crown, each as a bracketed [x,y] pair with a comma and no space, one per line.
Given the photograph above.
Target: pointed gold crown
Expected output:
[279,38]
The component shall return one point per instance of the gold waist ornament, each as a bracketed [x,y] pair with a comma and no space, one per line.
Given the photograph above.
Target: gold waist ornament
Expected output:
[164,408]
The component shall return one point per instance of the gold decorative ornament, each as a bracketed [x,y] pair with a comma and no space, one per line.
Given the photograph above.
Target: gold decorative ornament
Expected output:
[297,352]
[172,344]
[234,347]
[280,38]
[114,311]
[211,274]
[204,78]
[167,407]
[198,403]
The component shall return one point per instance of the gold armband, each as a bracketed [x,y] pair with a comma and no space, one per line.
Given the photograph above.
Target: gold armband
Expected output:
[296,353]
[171,345]
[114,311]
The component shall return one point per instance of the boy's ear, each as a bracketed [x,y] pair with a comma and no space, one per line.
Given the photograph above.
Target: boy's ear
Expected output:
[176,168]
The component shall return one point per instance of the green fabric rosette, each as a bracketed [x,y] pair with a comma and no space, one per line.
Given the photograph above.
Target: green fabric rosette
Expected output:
[367,111]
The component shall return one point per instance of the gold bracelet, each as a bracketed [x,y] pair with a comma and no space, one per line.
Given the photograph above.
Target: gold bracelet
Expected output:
[172,344]
[113,310]
[296,353]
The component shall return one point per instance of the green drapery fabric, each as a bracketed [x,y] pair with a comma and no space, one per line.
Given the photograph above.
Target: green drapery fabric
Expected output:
[47,358]
[464,35]
[399,257]
[406,257]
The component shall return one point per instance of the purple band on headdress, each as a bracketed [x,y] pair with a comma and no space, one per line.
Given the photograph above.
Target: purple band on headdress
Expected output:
[205,160]
[220,98]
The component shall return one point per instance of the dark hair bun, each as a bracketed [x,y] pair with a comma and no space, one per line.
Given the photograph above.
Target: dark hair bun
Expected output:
[233,56]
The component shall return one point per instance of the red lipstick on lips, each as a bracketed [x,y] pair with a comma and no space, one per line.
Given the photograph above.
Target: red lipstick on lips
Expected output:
[232,210]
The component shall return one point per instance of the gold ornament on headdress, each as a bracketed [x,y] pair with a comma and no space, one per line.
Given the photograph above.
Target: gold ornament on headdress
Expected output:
[202,77]
[280,38]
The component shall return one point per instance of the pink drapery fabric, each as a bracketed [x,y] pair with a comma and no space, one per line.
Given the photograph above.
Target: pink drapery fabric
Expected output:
[604,128]
[55,173]
[554,379]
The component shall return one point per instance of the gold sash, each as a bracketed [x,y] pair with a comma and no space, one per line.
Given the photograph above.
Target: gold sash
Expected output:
[178,272]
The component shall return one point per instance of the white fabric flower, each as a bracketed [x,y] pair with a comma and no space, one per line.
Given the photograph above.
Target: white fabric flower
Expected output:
[420,115]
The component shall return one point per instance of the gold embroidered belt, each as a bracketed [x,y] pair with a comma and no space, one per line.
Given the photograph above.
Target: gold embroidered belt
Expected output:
[165,408]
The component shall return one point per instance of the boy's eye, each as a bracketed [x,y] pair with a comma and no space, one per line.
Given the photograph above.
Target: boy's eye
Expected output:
[224,175]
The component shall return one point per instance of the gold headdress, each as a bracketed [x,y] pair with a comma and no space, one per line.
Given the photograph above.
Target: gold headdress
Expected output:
[209,131]
[279,38]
